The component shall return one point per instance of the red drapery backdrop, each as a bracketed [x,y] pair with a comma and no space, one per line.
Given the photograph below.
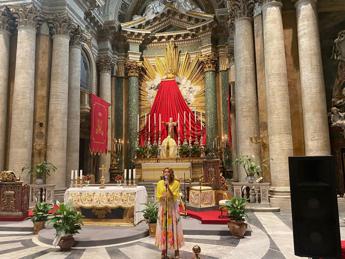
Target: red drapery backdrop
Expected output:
[99,125]
[169,102]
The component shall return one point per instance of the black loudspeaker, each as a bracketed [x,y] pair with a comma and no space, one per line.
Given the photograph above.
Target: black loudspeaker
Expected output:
[314,206]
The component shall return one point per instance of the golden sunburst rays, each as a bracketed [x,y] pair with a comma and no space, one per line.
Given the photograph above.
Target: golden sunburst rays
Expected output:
[173,65]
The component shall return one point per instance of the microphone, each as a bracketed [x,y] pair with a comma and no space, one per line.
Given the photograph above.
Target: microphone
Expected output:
[165,178]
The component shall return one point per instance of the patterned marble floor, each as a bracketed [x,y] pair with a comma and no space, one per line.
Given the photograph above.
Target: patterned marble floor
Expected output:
[271,239]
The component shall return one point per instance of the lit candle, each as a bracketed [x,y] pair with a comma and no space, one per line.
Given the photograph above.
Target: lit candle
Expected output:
[160,122]
[149,124]
[81,174]
[72,172]
[125,174]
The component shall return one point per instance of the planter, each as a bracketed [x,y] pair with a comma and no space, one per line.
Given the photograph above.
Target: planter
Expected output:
[237,228]
[66,243]
[39,181]
[152,229]
[250,178]
[38,226]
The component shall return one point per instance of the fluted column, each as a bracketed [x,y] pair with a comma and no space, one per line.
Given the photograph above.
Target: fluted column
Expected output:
[278,107]
[211,99]
[58,102]
[105,64]
[316,131]
[73,130]
[4,69]
[21,131]
[133,69]
[247,119]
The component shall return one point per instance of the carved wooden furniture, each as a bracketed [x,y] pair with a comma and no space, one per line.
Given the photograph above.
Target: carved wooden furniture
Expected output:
[14,197]
[211,173]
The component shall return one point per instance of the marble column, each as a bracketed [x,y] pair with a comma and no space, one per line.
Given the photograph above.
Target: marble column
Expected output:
[21,131]
[316,131]
[278,107]
[211,99]
[247,118]
[133,69]
[73,130]
[58,102]
[105,64]
[4,70]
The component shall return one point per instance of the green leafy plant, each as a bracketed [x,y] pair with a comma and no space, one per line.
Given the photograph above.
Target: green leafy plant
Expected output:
[249,165]
[40,212]
[236,208]
[141,152]
[67,220]
[150,212]
[153,151]
[42,169]
[195,151]
[184,150]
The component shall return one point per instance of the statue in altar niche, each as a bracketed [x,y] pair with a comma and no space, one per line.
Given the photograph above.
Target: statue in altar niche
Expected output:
[169,146]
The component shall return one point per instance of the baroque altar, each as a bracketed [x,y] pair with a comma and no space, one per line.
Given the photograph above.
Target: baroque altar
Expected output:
[119,204]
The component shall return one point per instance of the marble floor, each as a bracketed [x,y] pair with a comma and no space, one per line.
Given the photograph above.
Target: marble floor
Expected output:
[271,238]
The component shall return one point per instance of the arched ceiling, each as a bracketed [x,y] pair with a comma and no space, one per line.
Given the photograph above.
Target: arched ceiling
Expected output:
[123,10]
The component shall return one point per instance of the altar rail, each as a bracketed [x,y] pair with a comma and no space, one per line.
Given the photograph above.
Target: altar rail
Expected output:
[254,193]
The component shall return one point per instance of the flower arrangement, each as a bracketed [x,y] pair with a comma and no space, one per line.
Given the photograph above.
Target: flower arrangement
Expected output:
[249,165]
[118,178]
[87,179]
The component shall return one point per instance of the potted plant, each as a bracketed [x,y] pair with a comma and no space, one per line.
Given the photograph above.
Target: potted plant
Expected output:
[141,152]
[249,165]
[150,215]
[236,209]
[67,221]
[40,216]
[195,151]
[41,170]
[153,151]
[184,150]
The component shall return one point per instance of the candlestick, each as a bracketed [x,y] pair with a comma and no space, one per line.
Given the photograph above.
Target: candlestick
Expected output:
[194,117]
[134,173]
[72,172]
[190,124]
[138,123]
[81,174]
[184,117]
[75,175]
[130,174]
[125,174]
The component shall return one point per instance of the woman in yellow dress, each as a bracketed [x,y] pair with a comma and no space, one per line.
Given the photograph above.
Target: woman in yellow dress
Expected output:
[168,196]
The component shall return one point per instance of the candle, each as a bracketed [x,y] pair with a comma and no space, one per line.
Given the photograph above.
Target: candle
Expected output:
[138,123]
[160,122]
[201,120]
[81,174]
[125,174]
[178,123]
[75,174]
[149,124]
[190,124]
[72,172]
[154,119]
[129,174]
[134,172]
[184,118]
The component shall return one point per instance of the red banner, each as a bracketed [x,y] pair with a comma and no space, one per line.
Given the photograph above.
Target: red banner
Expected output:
[99,125]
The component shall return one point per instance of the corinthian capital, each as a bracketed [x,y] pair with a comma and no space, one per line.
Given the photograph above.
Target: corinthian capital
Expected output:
[209,62]
[133,68]
[105,63]
[61,24]
[26,15]
[241,8]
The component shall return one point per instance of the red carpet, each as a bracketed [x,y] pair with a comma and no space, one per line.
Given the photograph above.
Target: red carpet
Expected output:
[208,217]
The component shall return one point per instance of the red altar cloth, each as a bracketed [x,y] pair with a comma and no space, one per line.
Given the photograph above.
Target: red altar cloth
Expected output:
[99,125]
[169,102]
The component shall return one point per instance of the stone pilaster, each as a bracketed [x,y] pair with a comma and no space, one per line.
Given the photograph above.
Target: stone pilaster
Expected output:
[133,71]
[210,62]
[278,107]
[105,64]
[4,69]
[247,118]
[20,149]
[73,130]
[316,131]
[58,101]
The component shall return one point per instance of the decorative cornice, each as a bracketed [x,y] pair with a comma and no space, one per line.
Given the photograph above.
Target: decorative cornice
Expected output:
[209,62]
[105,63]
[26,15]
[133,68]
[240,8]
[61,24]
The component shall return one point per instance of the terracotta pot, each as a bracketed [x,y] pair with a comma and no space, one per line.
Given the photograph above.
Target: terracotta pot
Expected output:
[38,226]
[237,228]
[66,243]
[152,229]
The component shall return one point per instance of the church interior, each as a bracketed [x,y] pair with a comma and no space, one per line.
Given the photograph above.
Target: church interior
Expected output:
[222,119]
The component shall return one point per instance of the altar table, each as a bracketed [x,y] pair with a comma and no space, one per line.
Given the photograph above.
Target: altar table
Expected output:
[103,201]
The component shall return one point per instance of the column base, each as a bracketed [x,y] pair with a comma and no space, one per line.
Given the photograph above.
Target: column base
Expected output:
[280,197]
